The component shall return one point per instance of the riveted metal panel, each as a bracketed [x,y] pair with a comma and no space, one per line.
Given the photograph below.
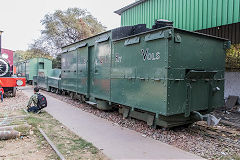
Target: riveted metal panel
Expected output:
[42,80]
[82,70]
[86,70]
[152,75]
[99,63]
[54,78]
[186,14]
[69,71]
[195,53]
[139,73]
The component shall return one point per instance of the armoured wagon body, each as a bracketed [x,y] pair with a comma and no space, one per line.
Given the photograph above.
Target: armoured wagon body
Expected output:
[49,81]
[54,80]
[30,68]
[86,67]
[164,76]
[169,73]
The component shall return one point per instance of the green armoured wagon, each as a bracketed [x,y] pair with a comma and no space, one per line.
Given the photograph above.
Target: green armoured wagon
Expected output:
[171,74]
[30,68]
[21,69]
[86,68]
[164,76]
[69,71]
[49,81]
[42,79]
[54,80]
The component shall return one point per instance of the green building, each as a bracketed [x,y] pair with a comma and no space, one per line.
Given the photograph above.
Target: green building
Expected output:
[215,17]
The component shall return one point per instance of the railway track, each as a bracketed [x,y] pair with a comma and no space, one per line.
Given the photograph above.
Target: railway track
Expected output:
[226,136]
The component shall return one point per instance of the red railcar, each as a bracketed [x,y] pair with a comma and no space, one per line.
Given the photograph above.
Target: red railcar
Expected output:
[8,80]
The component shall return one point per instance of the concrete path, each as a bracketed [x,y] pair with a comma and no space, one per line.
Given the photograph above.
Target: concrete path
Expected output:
[114,141]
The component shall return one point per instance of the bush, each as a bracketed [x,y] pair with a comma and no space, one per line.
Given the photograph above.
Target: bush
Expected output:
[233,58]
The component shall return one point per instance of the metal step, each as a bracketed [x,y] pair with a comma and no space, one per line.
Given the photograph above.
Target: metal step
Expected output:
[91,103]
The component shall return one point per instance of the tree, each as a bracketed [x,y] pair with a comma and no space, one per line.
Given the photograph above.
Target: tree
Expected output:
[57,62]
[65,27]
[24,55]
[233,58]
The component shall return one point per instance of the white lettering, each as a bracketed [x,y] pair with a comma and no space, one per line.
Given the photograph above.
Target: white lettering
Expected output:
[150,56]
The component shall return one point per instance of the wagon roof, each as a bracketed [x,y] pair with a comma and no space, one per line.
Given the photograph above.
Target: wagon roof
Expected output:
[177,29]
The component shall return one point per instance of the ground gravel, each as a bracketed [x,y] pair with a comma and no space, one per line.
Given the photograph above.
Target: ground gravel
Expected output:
[11,105]
[183,138]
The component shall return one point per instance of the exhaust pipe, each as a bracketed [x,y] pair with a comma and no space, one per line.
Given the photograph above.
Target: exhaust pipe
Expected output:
[210,119]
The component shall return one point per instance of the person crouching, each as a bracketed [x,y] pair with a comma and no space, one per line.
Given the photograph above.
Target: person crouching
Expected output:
[33,99]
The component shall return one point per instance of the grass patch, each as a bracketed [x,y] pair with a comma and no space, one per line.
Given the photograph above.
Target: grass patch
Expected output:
[17,122]
[33,120]
[69,144]
[232,157]
[24,130]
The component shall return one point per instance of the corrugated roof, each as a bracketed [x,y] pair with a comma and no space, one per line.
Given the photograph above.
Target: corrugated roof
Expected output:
[186,14]
[120,11]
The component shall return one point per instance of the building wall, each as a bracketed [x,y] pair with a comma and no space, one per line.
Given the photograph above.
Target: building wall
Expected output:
[230,31]
[232,86]
[186,14]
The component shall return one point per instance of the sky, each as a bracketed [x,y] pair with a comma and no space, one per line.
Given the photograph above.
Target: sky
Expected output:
[20,19]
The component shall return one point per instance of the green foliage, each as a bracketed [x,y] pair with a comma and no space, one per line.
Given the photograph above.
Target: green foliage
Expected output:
[72,25]
[62,28]
[65,27]
[233,58]
[57,62]
[20,55]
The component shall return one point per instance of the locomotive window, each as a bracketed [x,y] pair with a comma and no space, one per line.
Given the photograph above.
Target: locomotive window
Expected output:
[41,65]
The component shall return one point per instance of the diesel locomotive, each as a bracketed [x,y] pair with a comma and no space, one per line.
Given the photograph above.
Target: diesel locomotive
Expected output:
[163,75]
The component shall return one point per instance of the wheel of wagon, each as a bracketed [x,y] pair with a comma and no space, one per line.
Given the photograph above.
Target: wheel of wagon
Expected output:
[187,125]
[52,90]
[64,93]
[59,91]
[14,90]
[83,99]
[72,95]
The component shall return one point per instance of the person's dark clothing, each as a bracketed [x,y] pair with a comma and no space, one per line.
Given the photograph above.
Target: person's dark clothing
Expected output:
[33,109]
[33,99]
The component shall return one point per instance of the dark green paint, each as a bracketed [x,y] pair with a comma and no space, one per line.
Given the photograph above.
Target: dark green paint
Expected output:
[167,72]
